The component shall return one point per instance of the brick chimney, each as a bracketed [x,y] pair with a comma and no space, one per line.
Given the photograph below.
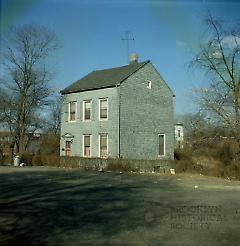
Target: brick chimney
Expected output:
[133,58]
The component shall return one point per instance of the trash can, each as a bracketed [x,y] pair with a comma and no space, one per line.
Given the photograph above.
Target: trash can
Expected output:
[16,160]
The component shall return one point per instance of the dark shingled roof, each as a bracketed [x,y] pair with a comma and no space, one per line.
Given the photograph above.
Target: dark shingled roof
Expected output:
[104,78]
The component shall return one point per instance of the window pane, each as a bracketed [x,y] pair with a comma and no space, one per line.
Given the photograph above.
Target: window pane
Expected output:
[68,148]
[103,114]
[87,141]
[103,108]
[161,145]
[87,147]
[103,145]
[103,140]
[72,111]
[104,103]
[87,110]
[68,144]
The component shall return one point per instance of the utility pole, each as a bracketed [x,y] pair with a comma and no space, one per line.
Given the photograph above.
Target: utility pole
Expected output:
[128,37]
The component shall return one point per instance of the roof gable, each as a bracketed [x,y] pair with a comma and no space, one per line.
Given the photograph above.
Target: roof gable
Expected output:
[104,78]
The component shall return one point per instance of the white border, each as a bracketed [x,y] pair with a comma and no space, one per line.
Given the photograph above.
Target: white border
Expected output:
[84,101]
[75,111]
[149,84]
[164,149]
[99,103]
[83,144]
[99,136]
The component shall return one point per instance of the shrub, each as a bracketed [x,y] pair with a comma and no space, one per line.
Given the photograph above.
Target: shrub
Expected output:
[50,144]
[119,165]
[26,158]
[37,160]
[51,160]
[183,154]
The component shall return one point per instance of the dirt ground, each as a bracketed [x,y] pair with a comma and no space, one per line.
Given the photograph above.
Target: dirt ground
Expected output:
[52,206]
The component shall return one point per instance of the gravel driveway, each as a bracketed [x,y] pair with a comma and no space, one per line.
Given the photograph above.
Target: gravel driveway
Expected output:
[51,206]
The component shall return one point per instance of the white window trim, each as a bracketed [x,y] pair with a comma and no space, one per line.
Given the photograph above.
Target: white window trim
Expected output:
[99,149]
[99,108]
[83,145]
[149,84]
[164,149]
[69,112]
[84,110]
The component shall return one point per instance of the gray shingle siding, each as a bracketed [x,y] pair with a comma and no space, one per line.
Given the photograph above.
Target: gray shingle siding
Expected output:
[141,115]
[94,127]
[145,113]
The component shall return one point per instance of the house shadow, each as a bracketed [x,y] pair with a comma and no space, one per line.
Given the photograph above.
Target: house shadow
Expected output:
[73,207]
[44,208]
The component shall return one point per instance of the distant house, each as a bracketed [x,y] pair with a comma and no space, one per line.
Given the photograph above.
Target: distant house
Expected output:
[122,112]
[8,146]
[178,135]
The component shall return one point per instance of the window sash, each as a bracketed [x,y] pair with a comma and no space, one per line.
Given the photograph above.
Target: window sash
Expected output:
[103,107]
[72,111]
[161,139]
[87,145]
[103,145]
[87,106]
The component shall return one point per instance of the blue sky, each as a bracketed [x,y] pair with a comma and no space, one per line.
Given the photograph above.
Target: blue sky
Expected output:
[166,32]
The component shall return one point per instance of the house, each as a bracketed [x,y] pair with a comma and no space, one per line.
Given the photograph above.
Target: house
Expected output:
[178,127]
[122,112]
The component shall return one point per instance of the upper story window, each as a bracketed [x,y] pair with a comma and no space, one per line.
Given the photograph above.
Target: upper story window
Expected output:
[72,111]
[103,109]
[149,84]
[87,107]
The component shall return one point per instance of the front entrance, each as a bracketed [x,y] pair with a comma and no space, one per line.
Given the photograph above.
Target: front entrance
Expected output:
[68,148]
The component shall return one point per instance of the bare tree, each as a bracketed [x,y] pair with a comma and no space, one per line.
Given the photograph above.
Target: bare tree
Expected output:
[219,57]
[25,86]
[53,118]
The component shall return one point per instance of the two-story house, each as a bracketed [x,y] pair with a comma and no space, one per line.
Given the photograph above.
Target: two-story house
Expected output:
[122,112]
[178,135]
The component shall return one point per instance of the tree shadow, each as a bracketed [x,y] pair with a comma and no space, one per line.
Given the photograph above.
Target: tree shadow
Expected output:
[91,208]
[36,207]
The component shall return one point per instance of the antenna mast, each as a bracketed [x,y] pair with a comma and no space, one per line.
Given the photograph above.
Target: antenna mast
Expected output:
[128,37]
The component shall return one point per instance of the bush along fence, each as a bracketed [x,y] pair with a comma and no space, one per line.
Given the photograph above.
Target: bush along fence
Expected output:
[124,165]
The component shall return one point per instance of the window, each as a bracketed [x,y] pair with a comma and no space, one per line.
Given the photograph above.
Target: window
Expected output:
[72,111]
[68,148]
[103,145]
[87,106]
[161,151]
[179,144]
[149,84]
[179,133]
[87,145]
[103,109]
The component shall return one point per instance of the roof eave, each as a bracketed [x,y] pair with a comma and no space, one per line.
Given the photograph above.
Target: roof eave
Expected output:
[90,89]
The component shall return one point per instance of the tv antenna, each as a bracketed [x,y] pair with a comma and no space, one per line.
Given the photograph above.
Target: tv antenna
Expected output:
[127,38]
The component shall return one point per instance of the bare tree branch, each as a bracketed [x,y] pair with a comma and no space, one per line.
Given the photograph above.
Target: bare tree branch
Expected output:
[25,88]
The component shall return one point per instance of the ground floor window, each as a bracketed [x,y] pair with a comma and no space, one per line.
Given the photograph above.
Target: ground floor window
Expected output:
[161,145]
[68,148]
[103,145]
[87,145]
